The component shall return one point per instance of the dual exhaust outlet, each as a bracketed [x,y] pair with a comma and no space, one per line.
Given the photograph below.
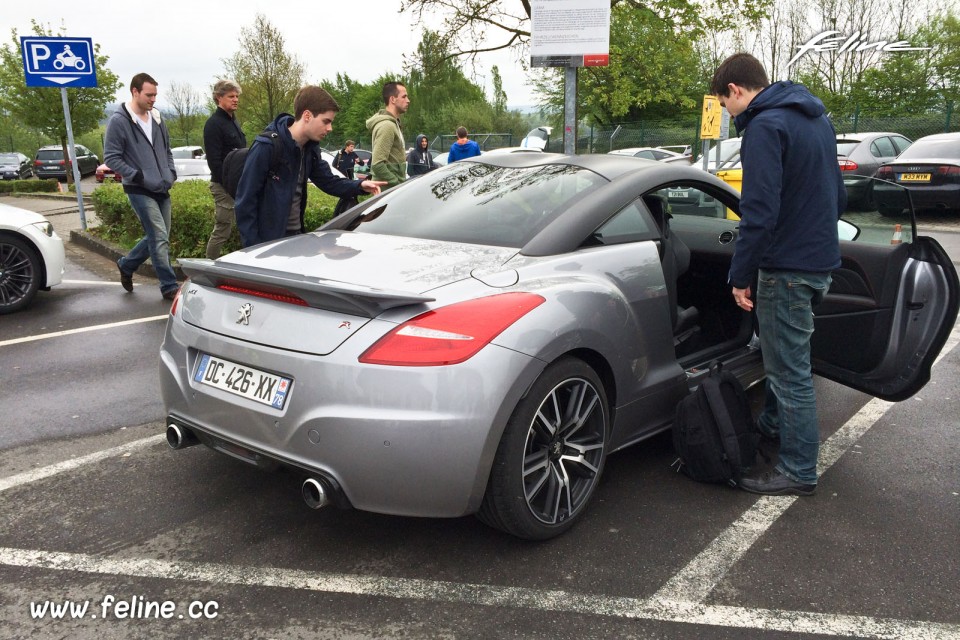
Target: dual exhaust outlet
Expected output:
[315,492]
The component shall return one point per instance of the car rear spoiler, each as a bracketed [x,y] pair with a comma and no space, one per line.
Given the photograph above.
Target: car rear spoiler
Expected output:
[316,292]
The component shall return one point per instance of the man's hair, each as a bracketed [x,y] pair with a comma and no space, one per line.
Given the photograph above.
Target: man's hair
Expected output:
[391,90]
[223,87]
[314,99]
[349,143]
[461,132]
[741,69]
[139,80]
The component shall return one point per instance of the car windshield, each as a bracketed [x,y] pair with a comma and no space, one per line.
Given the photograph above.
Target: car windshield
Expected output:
[846,147]
[946,148]
[9,157]
[727,149]
[480,203]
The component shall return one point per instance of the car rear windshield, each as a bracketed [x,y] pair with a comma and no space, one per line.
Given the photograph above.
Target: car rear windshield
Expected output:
[948,149]
[50,154]
[480,203]
[846,147]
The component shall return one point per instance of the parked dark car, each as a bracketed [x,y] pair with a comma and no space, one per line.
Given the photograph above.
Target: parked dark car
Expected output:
[49,162]
[860,155]
[15,166]
[930,170]
[106,173]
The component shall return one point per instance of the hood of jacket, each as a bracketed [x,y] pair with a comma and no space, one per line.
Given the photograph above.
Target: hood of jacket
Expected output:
[782,95]
[379,117]
[416,145]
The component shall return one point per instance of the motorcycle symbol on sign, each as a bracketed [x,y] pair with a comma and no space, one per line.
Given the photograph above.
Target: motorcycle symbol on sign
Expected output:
[66,58]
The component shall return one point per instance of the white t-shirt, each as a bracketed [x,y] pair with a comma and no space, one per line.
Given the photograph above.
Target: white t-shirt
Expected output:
[146,127]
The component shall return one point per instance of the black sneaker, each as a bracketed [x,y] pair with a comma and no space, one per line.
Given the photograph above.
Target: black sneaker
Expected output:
[126,279]
[170,294]
[774,483]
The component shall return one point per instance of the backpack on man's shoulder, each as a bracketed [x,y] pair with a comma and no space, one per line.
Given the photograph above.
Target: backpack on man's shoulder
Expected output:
[234,161]
[714,432]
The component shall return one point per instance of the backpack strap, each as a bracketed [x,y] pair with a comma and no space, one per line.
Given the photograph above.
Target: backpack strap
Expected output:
[276,149]
[728,435]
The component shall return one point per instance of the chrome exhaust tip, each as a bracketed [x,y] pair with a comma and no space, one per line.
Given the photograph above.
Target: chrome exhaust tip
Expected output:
[314,494]
[179,437]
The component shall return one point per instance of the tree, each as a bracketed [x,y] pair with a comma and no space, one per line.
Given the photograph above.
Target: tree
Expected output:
[41,108]
[186,105]
[268,75]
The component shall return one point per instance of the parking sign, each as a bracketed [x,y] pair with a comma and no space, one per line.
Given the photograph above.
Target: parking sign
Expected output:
[58,62]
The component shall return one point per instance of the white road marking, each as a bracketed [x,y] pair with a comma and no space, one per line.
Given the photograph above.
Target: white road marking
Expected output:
[68,465]
[486,595]
[695,581]
[95,282]
[70,332]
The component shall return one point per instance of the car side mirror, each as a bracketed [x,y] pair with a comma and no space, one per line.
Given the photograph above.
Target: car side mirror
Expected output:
[847,230]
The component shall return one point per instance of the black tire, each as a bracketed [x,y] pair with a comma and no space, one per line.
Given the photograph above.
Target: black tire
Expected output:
[551,455]
[20,274]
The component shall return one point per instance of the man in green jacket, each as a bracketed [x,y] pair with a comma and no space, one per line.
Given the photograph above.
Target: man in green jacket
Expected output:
[389,162]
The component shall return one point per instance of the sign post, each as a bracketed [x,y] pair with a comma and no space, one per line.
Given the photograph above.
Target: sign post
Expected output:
[570,34]
[61,62]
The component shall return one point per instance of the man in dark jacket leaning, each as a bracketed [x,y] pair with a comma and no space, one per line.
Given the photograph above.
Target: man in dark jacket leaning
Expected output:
[221,135]
[792,197]
[137,147]
[271,199]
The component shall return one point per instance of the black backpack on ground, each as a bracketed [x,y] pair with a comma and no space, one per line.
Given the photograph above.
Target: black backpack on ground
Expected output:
[234,162]
[714,432]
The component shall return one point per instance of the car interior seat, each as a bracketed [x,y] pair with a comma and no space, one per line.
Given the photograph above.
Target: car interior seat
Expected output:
[675,258]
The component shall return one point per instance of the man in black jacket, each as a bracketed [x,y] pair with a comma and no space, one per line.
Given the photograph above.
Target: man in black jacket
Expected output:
[221,135]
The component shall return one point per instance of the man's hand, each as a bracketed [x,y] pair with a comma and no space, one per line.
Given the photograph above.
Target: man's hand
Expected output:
[371,186]
[742,297]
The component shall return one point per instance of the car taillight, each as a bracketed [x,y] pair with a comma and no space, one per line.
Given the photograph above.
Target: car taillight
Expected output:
[176,299]
[848,165]
[289,298]
[451,334]
[946,170]
[885,173]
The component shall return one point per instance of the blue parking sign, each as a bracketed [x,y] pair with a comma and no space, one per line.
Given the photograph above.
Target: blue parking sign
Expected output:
[58,62]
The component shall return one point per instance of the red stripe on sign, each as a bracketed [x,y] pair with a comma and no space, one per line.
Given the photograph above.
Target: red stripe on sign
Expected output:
[596,60]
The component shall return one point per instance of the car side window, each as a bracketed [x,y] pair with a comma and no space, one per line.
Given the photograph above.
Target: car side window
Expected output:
[901,144]
[883,148]
[630,224]
[689,200]
[645,154]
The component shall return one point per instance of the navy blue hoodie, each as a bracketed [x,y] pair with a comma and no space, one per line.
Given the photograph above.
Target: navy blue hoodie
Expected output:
[793,193]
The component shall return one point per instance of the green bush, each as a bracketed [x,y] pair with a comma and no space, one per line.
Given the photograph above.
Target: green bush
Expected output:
[29,186]
[191,217]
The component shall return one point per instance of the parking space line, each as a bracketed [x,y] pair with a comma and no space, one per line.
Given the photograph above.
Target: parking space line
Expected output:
[696,581]
[486,595]
[69,332]
[68,465]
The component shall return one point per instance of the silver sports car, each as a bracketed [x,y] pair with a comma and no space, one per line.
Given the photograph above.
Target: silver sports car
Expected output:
[481,338]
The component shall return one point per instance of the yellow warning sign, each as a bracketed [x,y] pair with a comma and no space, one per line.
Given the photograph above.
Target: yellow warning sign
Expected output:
[711,119]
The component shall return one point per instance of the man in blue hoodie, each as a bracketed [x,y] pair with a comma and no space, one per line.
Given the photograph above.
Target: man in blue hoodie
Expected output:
[792,197]
[271,197]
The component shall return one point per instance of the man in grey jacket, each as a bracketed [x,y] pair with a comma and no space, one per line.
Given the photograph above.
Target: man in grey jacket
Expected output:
[137,148]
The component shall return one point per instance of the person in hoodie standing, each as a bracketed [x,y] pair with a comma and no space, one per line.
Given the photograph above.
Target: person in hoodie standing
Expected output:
[464,147]
[271,199]
[792,197]
[137,147]
[420,160]
[221,135]
[389,161]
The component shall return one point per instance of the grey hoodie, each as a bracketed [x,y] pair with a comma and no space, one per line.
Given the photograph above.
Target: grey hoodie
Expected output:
[146,169]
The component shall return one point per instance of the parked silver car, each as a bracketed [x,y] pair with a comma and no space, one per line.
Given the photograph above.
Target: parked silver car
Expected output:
[480,339]
[15,166]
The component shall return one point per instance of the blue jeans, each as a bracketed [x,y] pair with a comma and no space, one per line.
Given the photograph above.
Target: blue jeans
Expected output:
[155,217]
[784,304]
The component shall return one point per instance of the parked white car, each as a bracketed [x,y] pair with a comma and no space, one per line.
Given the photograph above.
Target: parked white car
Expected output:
[191,163]
[31,257]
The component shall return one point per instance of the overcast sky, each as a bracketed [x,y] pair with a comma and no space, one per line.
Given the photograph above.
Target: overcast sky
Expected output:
[180,41]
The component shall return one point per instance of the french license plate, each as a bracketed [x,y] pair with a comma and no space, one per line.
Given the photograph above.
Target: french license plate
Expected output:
[246,382]
[914,177]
